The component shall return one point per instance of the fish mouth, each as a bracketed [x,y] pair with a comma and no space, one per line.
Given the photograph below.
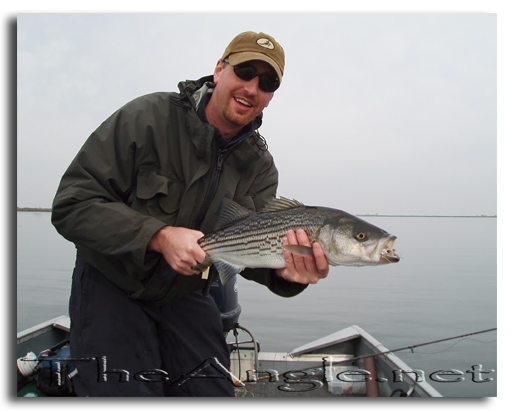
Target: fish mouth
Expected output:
[384,253]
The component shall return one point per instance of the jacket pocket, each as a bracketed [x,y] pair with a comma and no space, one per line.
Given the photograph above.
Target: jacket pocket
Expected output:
[157,194]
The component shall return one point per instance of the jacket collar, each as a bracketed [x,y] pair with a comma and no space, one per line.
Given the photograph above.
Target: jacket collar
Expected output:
[195,92]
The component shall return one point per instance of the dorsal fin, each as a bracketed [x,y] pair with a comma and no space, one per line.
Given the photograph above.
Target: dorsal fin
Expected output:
[230,212]
[280,204]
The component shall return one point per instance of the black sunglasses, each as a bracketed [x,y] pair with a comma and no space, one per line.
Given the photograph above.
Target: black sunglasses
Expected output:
[247,72]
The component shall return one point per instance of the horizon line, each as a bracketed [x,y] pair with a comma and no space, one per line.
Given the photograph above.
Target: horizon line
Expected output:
[45,209]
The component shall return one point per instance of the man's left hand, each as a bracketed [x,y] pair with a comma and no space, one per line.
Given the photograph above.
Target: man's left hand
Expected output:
[304,270]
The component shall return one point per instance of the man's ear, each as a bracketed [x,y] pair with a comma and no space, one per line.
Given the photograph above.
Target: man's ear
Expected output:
[217,70]
[269,101]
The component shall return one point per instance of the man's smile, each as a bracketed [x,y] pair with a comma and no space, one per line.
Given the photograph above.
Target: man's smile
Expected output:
[244,102]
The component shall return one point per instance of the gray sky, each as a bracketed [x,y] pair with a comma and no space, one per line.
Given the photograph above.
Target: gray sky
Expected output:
[378,112]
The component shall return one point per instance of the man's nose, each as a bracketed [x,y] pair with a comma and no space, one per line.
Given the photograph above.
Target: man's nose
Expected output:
[252,86]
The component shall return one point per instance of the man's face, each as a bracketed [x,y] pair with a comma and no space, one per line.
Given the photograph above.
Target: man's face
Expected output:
[238,102]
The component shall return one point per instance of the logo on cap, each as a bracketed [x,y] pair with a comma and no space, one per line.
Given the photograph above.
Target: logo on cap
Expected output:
[263,42]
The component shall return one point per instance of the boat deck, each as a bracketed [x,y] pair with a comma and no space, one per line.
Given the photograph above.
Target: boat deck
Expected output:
[332,366]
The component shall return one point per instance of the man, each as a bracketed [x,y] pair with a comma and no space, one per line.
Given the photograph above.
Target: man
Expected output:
[135,200]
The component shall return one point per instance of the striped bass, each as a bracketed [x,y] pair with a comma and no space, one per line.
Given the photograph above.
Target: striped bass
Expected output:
[245,239]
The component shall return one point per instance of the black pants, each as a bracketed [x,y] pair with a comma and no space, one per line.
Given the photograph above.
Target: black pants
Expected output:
[126,347]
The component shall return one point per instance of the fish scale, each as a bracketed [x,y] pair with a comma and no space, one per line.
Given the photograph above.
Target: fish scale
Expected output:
[245,239]
[261,233]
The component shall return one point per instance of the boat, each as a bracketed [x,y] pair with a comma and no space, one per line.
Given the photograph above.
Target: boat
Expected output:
[347,363]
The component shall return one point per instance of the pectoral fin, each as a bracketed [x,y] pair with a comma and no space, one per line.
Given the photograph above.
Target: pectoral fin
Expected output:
[302,250]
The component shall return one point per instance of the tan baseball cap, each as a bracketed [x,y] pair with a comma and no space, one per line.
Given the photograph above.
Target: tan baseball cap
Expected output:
[256,46]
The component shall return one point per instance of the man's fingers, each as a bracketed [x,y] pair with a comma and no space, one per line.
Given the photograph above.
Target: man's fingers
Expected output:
[299,261]
[303,269]
[321,260]
[289,260]
[309,262]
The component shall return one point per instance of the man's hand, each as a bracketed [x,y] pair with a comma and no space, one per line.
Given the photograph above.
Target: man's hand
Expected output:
[304,270]
[180,248]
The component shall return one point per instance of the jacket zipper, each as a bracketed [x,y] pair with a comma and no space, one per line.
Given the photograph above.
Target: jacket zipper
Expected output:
[211,191]
[211,187]
[209,196]
[213,182]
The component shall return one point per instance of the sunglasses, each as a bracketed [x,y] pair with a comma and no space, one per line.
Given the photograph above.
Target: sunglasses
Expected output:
[247,72]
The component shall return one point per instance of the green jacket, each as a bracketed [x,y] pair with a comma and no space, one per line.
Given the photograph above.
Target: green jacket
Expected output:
[153,163]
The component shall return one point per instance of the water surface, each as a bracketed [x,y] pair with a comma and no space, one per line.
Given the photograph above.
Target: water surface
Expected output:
[444,286]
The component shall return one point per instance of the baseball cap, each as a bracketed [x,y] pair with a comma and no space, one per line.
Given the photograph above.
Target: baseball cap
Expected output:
[256,46]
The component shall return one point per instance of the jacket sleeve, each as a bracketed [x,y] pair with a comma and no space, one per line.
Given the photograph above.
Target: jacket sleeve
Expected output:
[90,208]
[274,283]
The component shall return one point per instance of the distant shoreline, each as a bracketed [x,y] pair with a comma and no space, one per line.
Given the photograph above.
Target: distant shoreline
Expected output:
[420,215]
[47,210]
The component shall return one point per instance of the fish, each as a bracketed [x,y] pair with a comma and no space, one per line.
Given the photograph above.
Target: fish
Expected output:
[247,239]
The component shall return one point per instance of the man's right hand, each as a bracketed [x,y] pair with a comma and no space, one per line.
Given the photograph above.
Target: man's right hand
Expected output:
[180,248]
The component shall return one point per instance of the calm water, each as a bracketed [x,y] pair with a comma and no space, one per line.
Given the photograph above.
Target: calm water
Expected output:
[445,286]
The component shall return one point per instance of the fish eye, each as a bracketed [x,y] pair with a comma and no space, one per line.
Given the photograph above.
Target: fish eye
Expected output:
[361,236]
